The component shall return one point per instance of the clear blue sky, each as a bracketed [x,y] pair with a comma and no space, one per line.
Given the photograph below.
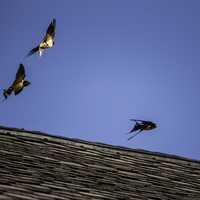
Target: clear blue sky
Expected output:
[113,60]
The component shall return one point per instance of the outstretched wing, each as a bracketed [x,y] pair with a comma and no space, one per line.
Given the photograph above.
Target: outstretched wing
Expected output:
[20,75]
[51,28]
[137,120]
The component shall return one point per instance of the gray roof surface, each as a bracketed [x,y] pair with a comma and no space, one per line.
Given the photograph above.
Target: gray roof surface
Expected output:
[35,165]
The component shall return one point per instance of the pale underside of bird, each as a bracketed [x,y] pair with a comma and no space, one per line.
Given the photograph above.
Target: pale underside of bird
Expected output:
[48,40]
[141,125]
[18,84]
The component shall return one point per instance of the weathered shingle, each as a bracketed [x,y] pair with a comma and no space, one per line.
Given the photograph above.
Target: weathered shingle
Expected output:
[35,165]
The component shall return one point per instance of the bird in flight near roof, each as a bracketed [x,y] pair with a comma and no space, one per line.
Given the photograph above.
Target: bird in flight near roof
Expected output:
[48,40]
[141,125]
[18,84]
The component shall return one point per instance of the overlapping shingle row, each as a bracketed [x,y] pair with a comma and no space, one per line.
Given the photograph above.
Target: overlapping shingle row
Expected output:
[34,166]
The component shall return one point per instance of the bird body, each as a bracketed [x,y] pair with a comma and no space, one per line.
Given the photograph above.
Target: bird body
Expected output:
[18,84]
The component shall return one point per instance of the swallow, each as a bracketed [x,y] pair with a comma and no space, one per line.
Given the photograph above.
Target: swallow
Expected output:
[18,84]
[48,40]
[141,125]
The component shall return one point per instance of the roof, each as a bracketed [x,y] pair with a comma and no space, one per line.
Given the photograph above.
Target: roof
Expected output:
[35,165]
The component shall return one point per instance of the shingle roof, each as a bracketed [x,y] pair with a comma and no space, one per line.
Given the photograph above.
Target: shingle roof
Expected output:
[34,165]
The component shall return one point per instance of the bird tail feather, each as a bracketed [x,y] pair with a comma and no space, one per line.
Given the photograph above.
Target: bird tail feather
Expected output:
[7,92]
[131,137]
[34,50]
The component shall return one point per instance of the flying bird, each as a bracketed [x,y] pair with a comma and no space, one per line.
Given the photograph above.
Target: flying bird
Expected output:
[48,40]
[18,84]
[141,125]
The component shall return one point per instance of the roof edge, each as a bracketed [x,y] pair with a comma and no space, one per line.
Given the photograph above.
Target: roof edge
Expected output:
[99,144]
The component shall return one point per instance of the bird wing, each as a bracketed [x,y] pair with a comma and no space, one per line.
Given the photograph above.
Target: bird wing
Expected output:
[137,120]
[141,122]
[51,28]
[20,75]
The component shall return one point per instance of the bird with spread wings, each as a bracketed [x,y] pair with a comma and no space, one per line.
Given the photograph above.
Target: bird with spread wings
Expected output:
[48,40]
[141,125]
[18,84]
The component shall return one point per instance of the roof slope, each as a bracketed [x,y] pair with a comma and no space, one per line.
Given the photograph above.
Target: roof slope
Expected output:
[34,166]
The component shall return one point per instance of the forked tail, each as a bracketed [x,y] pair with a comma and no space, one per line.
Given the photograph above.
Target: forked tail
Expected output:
[7,92]
[34,50]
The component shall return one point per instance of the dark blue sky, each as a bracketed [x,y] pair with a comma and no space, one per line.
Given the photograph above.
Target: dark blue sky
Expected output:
[112,61]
